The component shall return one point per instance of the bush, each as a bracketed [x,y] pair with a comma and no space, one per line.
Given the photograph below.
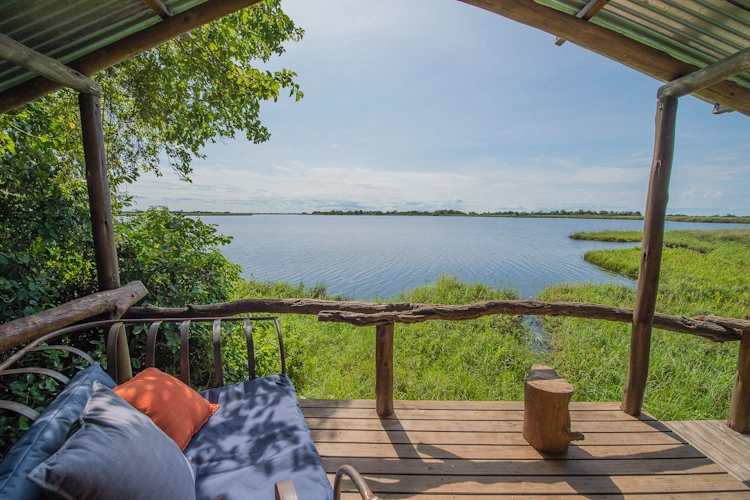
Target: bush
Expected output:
[176,258]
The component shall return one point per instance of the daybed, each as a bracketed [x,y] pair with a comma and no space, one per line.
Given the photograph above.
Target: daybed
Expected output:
[255,446]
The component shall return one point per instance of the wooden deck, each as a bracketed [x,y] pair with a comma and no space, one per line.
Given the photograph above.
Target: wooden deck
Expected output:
[719,443]
[451,450]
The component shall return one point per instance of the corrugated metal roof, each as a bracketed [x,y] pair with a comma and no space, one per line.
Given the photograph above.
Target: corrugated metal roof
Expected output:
[698,32]
[69,29]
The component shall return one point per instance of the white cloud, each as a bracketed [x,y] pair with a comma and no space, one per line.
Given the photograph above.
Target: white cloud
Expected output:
[480,184]
[430,104]
[697,193]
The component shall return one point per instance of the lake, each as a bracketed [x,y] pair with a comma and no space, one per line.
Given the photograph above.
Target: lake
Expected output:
[367,256]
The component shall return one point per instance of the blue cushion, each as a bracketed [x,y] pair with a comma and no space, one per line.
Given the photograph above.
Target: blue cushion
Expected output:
[118,453]
[47,434]
[257,438]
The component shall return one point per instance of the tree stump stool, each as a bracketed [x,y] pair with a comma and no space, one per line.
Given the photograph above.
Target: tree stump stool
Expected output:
[546,419]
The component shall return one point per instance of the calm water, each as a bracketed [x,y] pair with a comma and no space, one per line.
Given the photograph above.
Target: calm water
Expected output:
[361,257]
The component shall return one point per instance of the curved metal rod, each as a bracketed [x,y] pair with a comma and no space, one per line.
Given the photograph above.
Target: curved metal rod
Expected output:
[364,490]
[108,323]
[250,349]
[112,337]
[185,352]
[41,371]
[281,345]
[68,348]
[19,408]
[216,338]
[153,331]
[44,338]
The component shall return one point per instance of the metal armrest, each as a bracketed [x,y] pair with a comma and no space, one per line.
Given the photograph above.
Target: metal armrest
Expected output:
[364,490]
[285,490]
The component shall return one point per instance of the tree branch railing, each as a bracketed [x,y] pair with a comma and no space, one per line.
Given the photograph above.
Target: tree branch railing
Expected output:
[385,315]
[111,303]
[714,328]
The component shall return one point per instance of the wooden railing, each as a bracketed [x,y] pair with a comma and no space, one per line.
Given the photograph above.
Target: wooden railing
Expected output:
[111,304]
[713,328]
[382,316]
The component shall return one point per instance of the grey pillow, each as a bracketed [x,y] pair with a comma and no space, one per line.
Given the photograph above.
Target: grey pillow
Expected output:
[116,453]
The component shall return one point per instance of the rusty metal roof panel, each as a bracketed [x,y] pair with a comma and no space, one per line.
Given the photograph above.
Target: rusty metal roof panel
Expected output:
[698,32]
[69,29]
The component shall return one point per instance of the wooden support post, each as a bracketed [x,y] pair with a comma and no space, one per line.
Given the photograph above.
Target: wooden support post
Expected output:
[739,408]
[546,418]
[100,207]
[653,241]
[384,369]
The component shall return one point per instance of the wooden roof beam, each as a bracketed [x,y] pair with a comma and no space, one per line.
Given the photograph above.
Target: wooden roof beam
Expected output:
[52,70]
[129,46]
[615,46]
[159,8]
[737,63]
[587,12]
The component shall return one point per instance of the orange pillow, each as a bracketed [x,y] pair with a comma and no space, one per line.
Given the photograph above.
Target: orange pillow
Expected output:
[173,406]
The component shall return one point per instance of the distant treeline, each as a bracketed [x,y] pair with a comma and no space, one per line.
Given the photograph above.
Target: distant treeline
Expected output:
[196,212]
[729,218]
[509,213]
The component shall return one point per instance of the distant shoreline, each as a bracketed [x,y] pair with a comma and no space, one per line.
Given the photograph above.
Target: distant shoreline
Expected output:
[725,219]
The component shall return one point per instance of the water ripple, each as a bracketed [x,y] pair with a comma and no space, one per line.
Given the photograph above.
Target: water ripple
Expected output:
[364,257]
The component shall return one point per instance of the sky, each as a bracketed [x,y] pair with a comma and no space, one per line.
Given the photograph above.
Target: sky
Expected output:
[435,104]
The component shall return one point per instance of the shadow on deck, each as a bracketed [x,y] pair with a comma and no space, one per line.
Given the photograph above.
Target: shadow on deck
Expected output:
[460,450]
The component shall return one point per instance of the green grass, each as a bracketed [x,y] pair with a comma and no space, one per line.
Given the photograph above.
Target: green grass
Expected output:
[487,359]
[615,236]
[702,272]
[484,359]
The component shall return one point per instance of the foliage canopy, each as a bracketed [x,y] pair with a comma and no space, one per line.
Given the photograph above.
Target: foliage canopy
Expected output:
[159,108]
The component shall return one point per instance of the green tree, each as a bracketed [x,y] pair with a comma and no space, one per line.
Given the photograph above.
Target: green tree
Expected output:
[160,107]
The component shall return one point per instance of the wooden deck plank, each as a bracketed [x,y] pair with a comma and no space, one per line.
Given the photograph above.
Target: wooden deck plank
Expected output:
[376,424]
[483,438]
[731,495]
[459,467]
[447,405]
[422,414]
[521,452]
[551,485]
[721,444]
[475,451]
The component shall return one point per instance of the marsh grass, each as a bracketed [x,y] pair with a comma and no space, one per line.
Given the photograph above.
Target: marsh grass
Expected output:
[487,359]
[689,378]
[484,359]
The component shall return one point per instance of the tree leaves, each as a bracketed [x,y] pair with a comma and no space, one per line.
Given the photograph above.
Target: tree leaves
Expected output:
[158,108]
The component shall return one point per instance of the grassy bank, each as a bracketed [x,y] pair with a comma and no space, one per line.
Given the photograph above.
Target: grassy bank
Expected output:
[482,359]
[702,272]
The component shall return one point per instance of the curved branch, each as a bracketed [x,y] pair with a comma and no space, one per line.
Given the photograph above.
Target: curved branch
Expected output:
[270,306]
[114,302]
[709,330]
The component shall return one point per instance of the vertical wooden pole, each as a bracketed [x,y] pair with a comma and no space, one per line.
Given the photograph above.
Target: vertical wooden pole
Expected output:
[653,241]
[384,369]
[100,207]
[739,408]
